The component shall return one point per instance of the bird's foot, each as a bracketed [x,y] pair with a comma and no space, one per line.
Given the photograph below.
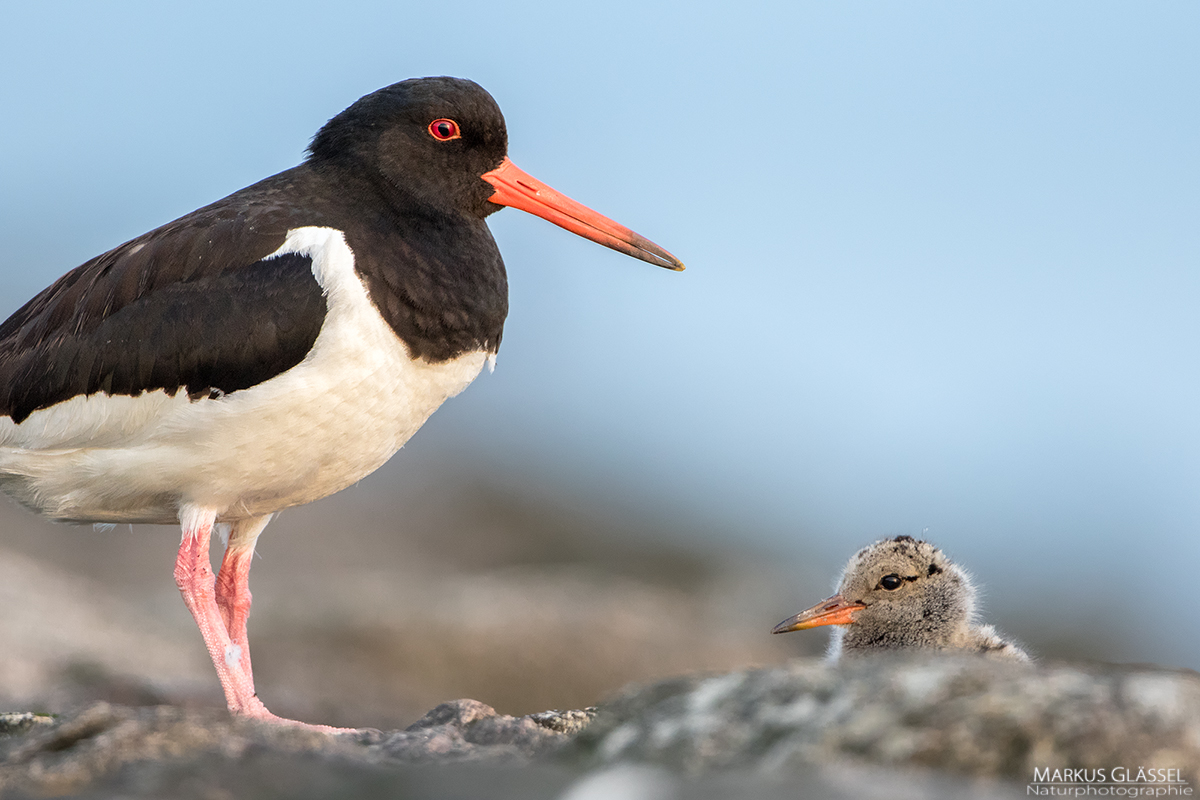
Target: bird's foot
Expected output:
[255,710]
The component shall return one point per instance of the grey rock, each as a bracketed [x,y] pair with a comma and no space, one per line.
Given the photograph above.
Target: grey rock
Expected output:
[569,722]
[110,751]
[471,730]
[105,741]
[22,721]
[918,726]
[967,715]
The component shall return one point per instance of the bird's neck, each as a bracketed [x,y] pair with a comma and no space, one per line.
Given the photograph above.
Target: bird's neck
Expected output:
[931,634]
[434,275]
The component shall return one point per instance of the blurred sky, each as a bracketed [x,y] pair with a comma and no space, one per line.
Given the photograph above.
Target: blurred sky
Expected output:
[943,258]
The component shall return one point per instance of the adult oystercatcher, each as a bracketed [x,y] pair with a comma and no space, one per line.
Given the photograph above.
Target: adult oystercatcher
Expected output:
[902,594]
[278,345]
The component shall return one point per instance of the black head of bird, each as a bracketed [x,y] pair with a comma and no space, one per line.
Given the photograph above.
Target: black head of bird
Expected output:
[899,594]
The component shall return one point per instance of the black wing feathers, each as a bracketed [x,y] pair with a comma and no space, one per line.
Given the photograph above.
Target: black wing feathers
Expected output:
[178,308]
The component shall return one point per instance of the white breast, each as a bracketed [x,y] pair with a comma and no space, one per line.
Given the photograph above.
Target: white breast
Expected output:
[308,432]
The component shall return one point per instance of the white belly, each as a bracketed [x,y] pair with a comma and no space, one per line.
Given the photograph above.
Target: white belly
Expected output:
[308,432]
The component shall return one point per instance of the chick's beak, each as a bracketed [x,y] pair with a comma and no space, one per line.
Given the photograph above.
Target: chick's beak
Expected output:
[835,610]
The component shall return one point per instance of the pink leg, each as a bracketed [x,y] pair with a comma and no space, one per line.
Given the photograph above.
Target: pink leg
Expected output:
[216,619]
[233,586]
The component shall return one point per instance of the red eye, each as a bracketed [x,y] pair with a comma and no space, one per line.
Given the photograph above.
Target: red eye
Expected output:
[444,130]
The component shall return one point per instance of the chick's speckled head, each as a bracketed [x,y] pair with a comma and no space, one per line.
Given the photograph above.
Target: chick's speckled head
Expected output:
[903,593]
[904,584]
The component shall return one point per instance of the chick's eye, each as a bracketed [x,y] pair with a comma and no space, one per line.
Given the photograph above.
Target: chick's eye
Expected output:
[890,582]
[444,130]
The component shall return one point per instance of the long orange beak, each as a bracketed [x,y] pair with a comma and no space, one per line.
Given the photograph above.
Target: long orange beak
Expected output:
[835,610]
[519,189]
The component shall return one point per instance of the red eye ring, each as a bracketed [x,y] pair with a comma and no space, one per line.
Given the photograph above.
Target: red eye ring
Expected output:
[444,130]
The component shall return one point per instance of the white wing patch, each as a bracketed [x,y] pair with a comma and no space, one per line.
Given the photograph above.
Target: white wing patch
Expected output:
[327,422]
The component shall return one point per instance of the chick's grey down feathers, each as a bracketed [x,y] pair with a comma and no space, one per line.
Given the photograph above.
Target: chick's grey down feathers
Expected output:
[933,607]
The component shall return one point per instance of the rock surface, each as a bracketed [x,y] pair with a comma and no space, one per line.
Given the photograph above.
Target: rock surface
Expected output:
[929,726]
[108,745]
[459,750]
[966,715]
